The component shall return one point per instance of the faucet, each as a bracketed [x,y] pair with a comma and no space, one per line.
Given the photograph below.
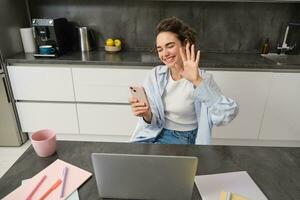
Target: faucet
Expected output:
[284,47]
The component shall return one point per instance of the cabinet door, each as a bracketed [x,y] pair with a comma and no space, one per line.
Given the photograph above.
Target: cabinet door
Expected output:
[41,83]
[58,116]
[105,85]
[282,114]
[106,119]
[250,91]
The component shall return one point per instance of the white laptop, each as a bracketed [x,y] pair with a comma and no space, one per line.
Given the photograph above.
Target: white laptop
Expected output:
[131,176]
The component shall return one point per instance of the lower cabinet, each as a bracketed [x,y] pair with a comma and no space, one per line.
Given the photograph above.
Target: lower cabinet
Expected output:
[268,103]
[106,119]
[282,114]
[250,91]
[105,84]
[61,117]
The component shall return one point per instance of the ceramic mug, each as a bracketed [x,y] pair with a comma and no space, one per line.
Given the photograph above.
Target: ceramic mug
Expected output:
[44,142]
[46,49]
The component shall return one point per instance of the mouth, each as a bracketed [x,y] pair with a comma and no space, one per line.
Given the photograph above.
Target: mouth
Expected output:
[169,59]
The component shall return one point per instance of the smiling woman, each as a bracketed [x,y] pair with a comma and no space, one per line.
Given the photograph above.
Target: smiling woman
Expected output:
[185,102]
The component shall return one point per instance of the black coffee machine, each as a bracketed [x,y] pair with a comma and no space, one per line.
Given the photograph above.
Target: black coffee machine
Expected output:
[59,34]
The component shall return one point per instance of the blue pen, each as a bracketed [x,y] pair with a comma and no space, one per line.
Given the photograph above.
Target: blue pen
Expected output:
[65,172]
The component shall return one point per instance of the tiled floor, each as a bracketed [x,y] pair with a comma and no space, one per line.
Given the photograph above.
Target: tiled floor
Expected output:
[9,155]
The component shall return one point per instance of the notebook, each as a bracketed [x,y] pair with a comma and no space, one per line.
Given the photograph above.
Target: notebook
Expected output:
[211,186]
[76,176]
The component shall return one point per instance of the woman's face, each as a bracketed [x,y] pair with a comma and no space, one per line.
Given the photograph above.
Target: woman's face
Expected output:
[167,46]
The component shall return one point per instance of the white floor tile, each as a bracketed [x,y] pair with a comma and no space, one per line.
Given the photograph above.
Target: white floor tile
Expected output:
[9,155]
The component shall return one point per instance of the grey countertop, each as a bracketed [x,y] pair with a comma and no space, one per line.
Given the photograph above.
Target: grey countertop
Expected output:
[276,170]
[209,60]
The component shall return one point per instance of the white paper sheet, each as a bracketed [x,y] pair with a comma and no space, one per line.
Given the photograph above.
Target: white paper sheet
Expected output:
[210,186]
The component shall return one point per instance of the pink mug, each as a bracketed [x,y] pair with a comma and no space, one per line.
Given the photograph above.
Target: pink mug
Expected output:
[44,142]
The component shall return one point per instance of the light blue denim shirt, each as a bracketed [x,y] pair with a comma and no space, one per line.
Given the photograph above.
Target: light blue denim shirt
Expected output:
[211,106]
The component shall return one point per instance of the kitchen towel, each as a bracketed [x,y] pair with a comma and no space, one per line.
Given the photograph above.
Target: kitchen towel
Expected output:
[28,41]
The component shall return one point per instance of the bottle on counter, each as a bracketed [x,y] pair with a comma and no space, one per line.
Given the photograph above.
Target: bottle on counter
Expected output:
[265,47]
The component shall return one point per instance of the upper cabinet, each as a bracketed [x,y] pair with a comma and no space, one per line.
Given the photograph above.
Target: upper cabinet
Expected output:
[41,83]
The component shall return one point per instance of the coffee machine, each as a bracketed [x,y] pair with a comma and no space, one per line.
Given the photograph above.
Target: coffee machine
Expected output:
[57,34]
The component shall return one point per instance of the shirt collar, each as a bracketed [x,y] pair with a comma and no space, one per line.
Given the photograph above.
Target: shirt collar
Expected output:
[163,69]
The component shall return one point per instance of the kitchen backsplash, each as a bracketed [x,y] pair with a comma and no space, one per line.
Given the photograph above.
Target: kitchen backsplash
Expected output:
[220,26]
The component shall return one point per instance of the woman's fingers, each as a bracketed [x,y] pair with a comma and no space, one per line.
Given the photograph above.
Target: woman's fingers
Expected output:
[140,113]
[132,100]
[188,51]
[198,57]
[138,104]
[193,52]
[144,107]
[140,110]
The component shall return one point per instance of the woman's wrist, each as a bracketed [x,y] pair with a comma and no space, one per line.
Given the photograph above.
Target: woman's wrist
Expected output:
[197,82]
[148,117]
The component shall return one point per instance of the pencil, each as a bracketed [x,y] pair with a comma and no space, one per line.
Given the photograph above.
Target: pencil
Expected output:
[65,172]
[36,188]
[53,187]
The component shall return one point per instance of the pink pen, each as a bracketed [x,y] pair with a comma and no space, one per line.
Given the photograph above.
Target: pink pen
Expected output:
[65,172]
[36,187]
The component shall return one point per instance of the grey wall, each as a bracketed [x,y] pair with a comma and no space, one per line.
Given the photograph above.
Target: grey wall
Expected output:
[13,15]
[220,26]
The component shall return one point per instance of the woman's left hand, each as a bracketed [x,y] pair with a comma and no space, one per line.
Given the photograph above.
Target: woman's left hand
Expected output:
[191,64]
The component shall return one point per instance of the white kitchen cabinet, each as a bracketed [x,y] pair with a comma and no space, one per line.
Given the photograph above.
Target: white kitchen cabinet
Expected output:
[282,113]
[106,84]
[61,117]
[106,119]
[250,91]
[41,83]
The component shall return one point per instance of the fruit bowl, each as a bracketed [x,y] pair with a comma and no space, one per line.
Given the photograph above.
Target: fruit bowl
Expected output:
[112,48]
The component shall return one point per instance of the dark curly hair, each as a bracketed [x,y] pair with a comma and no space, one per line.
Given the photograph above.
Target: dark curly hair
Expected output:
[184,32]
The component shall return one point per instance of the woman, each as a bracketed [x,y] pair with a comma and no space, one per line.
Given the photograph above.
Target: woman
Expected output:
[185,102]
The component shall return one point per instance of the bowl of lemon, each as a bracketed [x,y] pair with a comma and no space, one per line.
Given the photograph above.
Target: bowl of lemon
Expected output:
[113,45]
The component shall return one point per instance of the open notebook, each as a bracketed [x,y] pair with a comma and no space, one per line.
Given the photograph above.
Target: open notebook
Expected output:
[211,186]
[76,177]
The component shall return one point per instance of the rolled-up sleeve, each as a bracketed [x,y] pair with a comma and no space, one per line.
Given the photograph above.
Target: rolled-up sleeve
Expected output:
[221,109]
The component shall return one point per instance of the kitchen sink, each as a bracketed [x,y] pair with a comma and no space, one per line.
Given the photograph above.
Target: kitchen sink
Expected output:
[283,59]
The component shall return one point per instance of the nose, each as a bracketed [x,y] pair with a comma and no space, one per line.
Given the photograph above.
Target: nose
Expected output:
[164,52]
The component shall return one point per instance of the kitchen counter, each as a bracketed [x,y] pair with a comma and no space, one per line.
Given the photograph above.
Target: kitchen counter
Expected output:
[211,61]
[275,170]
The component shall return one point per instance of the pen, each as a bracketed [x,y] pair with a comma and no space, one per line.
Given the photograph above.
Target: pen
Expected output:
[65,172]
[53,187]
[36,187]
[228,196]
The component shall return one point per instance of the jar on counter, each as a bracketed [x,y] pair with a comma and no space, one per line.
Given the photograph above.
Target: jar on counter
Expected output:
[265,47]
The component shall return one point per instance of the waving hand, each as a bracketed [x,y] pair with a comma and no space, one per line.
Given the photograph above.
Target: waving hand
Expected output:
[190,64]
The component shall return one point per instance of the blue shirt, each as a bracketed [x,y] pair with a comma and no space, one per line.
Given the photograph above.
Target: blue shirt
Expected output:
[211,106]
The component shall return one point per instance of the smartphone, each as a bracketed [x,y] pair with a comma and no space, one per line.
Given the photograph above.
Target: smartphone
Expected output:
[139,93]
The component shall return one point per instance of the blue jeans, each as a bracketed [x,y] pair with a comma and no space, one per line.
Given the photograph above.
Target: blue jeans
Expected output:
[167,136]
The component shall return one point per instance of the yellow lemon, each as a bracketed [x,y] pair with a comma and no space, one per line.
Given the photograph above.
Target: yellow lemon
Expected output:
[109,42]
[117,42]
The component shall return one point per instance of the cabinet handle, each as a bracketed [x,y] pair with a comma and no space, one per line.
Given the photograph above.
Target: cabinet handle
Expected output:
[6,90]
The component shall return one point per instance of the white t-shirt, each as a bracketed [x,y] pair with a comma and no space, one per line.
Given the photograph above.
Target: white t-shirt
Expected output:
[178,101]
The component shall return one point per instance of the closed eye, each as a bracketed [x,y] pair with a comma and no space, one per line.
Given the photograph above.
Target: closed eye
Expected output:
[170,45]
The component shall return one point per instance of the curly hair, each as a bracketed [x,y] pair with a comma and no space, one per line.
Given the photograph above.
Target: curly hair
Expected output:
[184,32]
